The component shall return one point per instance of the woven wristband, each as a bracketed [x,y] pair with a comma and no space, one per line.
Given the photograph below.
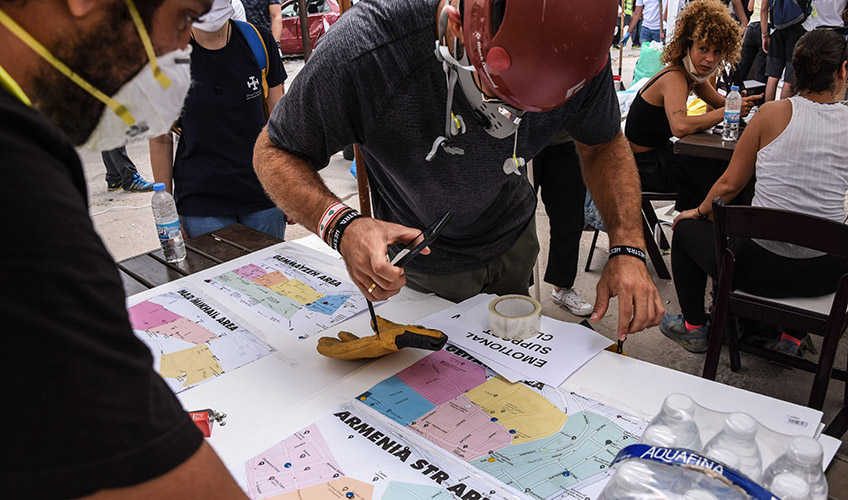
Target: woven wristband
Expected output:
[627,250]
[340,227]
[331,213]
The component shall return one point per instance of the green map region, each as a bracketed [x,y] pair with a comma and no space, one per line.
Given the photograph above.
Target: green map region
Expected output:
[584,447]
[274,301]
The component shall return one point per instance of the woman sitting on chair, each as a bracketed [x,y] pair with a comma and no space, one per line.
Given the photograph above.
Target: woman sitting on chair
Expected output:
[797,149]
[705,38]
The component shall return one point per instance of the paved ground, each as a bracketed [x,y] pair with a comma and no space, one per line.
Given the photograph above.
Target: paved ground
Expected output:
[125,222]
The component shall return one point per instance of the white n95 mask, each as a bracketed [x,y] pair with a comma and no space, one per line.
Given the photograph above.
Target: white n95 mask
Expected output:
[153,107]
[216,18]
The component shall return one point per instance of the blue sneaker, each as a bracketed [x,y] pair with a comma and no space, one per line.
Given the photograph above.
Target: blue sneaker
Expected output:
[114,186]
[673,327]
[138,185]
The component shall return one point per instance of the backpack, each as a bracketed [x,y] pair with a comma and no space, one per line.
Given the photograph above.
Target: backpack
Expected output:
[260,55]
[785,13]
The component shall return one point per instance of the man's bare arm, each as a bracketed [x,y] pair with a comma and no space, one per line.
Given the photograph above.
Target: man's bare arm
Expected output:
[298,189]
[611,176]
[162,160]
[276,20]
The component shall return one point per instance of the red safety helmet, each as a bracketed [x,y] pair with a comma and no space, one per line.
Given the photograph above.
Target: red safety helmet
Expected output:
[544,50]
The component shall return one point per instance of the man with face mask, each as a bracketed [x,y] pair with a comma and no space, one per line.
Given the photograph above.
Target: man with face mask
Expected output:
[504,78]
[87,414]
[212,174]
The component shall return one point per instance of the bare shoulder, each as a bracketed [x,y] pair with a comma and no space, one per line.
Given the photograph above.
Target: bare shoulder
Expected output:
[771,120]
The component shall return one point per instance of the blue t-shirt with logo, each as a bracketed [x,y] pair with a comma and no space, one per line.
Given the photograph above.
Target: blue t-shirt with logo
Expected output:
[221,119]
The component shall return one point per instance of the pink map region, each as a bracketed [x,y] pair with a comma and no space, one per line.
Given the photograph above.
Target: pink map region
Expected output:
[250,271]
[146,315]
[462,428]
[184,329]
[301,460]
[443,376]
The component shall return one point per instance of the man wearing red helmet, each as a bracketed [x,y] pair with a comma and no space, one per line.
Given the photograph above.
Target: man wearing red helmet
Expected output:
[525,70]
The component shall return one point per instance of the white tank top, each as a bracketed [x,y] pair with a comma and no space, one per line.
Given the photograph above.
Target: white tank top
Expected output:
[805,169]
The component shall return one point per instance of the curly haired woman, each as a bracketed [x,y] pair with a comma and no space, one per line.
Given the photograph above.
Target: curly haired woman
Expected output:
[797,149]
[705,37]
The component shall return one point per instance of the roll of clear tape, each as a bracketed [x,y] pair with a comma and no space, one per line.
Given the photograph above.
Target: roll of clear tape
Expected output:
[514,317]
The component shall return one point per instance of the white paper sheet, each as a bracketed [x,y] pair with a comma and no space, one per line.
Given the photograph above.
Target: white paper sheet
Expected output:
[556,352]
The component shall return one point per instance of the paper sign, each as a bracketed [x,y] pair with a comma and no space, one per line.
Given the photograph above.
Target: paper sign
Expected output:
[556,352]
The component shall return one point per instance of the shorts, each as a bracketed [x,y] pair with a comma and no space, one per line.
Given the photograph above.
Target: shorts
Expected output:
[781,47]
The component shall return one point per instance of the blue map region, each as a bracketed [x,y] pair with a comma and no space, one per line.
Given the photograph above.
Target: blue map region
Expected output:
[396,400]
[328,304]
[584,446]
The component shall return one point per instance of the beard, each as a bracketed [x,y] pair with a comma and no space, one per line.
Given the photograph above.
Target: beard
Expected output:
[106,58]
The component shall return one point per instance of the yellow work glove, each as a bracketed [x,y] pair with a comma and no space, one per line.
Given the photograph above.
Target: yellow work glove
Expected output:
[389,338]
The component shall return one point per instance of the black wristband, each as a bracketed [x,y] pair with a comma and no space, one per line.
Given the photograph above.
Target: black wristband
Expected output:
[340,227]
[627,250]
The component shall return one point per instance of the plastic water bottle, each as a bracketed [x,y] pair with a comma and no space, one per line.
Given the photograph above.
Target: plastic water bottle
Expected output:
[632,481]
[168,224]
[678,413]
[659,435]
[724,456]
[803,458]
[732,115]
[739,437]
[788,486]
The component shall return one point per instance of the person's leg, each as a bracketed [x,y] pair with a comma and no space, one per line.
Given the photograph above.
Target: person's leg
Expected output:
[692,260]
[774,65]
[194,225]
[557,170]
[751,44]
[271,221]
[119,168]
[794,33]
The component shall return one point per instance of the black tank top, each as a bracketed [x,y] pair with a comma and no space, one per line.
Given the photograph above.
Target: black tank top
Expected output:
[647,125]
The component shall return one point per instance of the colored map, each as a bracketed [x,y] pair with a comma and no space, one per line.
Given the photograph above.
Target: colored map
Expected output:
[291,288]
[192,338]
[540,441]
[356,453]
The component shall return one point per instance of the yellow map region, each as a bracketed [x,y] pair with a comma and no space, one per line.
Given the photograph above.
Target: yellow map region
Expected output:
[297,291]
[270,279]
[333,490]
[518,408]
[194,364]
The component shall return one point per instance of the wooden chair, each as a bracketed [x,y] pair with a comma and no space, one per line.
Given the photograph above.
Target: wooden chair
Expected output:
[825,316]
[652,230]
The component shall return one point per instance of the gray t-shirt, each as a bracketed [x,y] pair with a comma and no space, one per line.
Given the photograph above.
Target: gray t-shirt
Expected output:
[373,80]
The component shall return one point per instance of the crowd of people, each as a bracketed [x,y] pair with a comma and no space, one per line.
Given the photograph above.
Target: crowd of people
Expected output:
[453,129]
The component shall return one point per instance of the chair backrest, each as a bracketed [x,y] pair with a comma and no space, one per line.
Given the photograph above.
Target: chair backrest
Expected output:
[778,225]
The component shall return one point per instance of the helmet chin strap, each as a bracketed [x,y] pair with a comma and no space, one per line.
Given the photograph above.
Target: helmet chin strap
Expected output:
[499,119]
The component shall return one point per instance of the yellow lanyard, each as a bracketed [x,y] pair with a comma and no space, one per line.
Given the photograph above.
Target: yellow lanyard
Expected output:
[42,51]
[9,83]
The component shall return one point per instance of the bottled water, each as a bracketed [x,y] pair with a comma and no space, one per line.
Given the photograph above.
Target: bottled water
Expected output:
[632,481]
[725,456]
[788,486]
[738,437]
[167,224]
[678,413]
[699,494]
[659,435]
[732,115]
[803,458]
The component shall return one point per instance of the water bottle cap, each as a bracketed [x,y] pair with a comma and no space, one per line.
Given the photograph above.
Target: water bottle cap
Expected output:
[659,435]
[734,88]
[159,186]
[725,456]
[679,407]
[741,425]
[633,475]
[789,486]
[805,450]
[699,494]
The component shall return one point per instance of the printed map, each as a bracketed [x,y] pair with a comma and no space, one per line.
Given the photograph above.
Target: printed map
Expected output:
[287,289]
[543,442]
[192,338]
[355,453]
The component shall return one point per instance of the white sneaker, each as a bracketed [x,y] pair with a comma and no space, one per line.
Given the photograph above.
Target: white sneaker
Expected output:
[568,298]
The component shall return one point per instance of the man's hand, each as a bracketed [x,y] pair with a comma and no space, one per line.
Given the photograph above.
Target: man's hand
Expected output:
[766,40]
[639,304]
[364,247]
